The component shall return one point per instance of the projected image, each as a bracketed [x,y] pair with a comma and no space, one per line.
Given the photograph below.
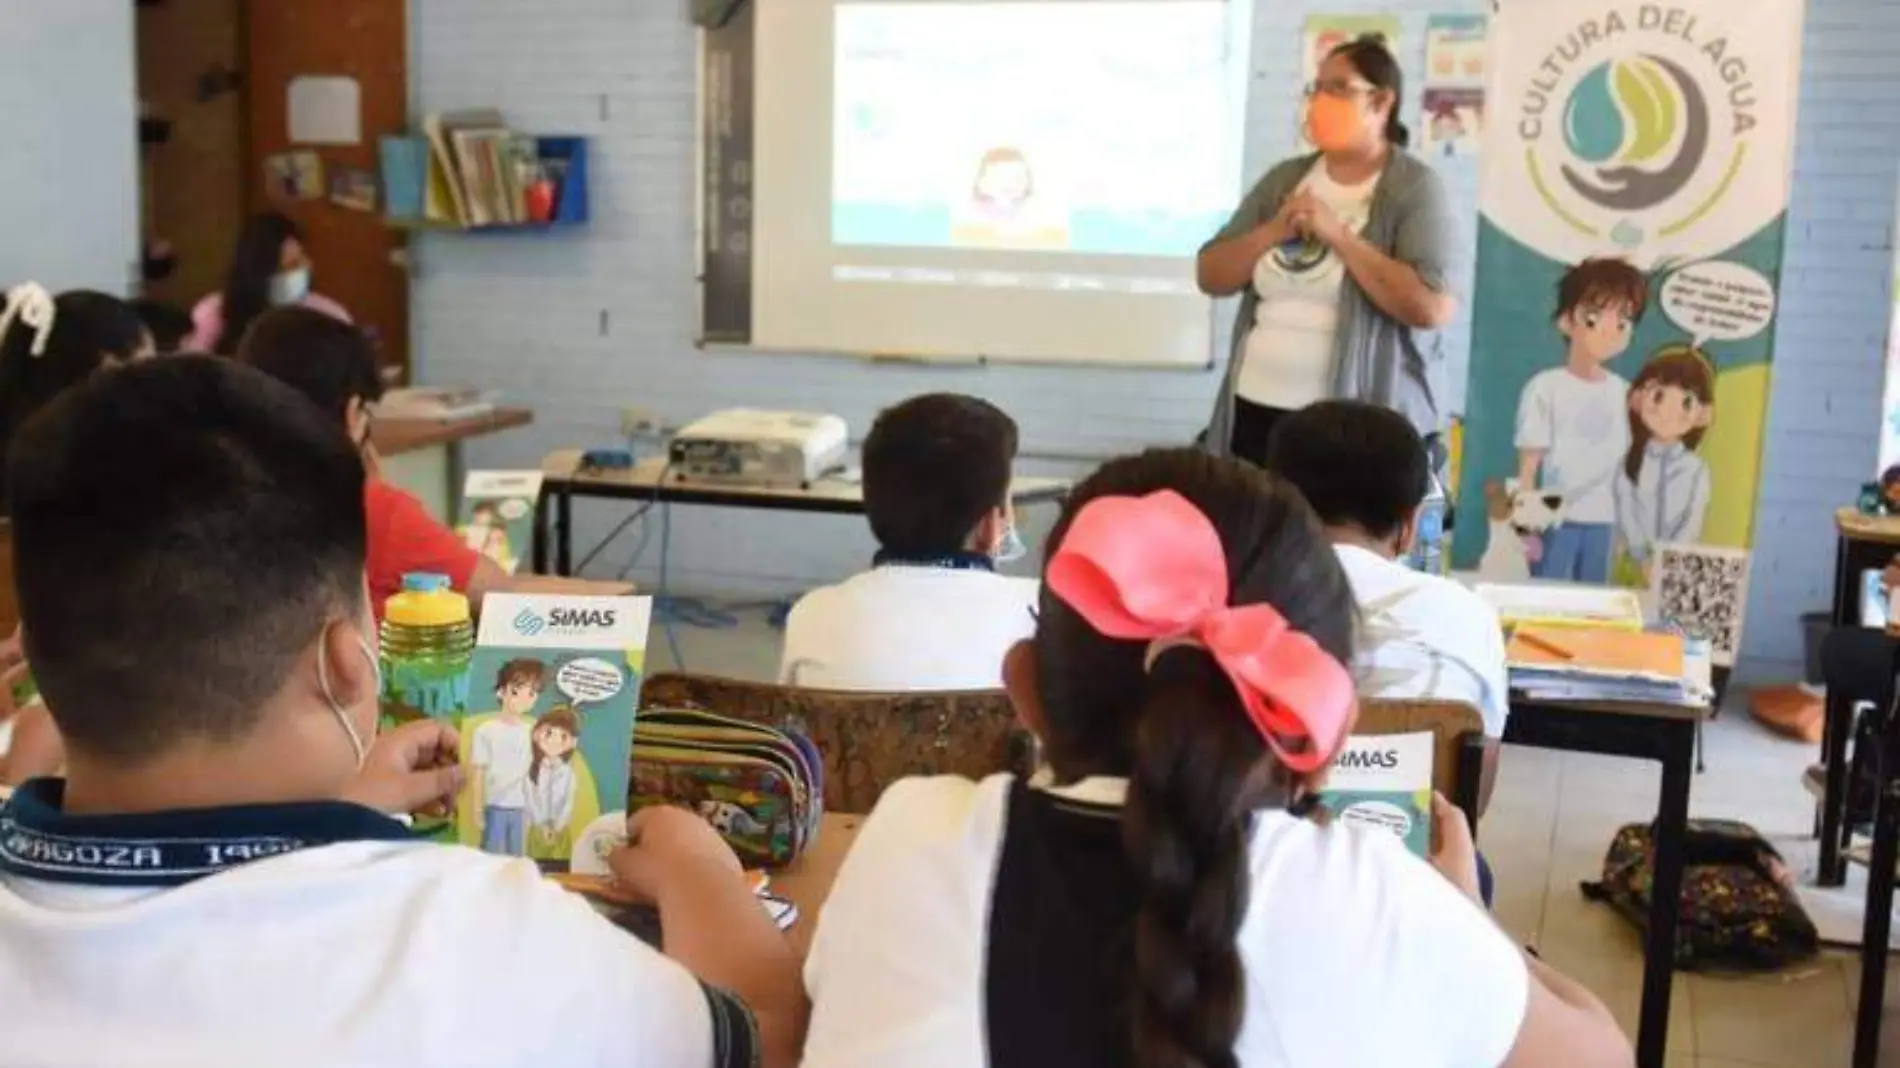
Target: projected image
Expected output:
[1091,128]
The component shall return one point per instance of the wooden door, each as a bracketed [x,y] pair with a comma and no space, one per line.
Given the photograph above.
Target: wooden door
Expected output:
[357,257]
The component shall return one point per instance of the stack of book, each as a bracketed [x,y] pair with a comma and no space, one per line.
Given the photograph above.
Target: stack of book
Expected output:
[1562,662]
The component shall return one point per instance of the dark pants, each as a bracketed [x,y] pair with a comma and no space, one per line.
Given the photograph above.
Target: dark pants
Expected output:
[1253,428]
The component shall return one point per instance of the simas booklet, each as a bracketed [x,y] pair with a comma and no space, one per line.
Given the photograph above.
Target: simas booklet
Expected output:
[552,693]
[1385,781]
[497,518]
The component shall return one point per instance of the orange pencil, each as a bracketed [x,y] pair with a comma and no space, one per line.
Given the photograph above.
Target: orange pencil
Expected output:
[1548,646]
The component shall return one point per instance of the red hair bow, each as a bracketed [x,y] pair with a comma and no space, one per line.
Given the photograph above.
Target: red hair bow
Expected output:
[1152,569]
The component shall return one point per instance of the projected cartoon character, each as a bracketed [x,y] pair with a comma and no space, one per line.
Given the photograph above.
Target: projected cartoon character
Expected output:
[1572,424]
[551,784]
[1003,184]
[501,755]
[1447,130]
[1662,491]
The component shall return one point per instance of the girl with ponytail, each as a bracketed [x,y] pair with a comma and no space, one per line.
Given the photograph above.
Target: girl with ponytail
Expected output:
[1159,897]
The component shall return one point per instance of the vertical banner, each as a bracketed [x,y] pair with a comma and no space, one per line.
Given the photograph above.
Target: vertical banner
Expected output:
[1636,174]
[1889,470]
[1451,103]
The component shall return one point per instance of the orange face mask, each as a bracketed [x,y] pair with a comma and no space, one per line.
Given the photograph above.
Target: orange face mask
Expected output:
[1334,123]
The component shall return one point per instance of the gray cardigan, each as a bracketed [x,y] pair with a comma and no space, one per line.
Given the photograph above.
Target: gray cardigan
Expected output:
[1376,358]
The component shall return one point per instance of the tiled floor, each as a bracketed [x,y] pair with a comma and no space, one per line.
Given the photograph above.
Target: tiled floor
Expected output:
[1550,820]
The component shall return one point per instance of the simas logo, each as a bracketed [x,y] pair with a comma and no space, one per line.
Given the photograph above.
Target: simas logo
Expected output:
[1637,122]
[583,618]
[529,624]
[1368,759]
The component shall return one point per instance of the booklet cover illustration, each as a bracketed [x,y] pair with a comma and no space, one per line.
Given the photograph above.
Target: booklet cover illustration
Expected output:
[497,517]
[552,694]
[1385,781]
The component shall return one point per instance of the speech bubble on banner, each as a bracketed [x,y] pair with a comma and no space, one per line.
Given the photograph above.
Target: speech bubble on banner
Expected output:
[1719,300]
[589,680]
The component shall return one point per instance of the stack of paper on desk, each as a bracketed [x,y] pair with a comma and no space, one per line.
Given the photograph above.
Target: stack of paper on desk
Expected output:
[1570,663]
[1562,604]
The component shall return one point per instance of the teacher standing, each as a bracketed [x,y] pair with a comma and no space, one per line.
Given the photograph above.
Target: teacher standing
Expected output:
[1342,260]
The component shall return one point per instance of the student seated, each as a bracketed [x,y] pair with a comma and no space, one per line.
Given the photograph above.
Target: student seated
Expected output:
[931,613]
[333,364]
[216,882]
[270,268]
[1159,899]
[48,345]
[1365,471]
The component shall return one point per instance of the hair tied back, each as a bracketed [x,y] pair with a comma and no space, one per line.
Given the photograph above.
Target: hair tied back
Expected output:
[30,305]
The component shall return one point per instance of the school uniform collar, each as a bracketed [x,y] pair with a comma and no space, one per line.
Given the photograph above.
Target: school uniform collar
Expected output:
[957,561]
[1666,450]
[39,840]
[1094,791]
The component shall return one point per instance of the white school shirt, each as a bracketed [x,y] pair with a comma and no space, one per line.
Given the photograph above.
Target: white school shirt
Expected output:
[1583,428]
[1288,358]
[551,795]
[361,953]
[1356,952]
[904,628]
[502,753]
[1426,637]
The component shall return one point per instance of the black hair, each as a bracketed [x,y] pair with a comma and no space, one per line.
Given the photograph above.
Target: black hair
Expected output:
[1357,464]
[327,360]
[166,322]
[258,256]
[1197,767]
[934,466]
[1370,56]
[183,529]
[90,331]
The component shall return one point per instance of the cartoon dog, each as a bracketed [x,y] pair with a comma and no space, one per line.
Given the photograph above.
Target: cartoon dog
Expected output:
[1517,520]
[730,820]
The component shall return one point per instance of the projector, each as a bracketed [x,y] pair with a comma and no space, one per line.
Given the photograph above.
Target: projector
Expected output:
[742,447]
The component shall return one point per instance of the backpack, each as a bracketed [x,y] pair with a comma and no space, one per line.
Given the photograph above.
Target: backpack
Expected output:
[1739,911]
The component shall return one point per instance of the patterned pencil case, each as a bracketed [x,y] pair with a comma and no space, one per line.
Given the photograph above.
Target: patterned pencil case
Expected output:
[761,788]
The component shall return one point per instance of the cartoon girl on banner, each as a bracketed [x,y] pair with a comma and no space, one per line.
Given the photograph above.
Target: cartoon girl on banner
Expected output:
[1662,492]
[551,784]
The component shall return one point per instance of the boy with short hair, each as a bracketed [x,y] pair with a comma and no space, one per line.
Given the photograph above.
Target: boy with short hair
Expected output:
[931,614]
[1366,473]
[333,364]
[502,752]
[215,882]
[1572,429]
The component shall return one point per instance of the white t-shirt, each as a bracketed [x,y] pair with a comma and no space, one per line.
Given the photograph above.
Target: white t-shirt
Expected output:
[1356,952]
[1583,428]
[363,953]
[901,629]
[1424,636]
[502,751]
[1288,359]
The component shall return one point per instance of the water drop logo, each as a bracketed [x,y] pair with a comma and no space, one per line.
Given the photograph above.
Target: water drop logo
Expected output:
[528,624]
[1636,130]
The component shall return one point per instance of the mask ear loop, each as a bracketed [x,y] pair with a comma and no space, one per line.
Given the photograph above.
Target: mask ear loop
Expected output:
[336,706]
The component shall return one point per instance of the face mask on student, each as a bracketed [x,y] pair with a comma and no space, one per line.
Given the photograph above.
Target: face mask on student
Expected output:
[1333,123]
[1010,546]
[342,714]
[289,287]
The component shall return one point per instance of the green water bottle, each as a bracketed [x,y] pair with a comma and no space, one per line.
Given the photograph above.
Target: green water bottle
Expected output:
[428,642]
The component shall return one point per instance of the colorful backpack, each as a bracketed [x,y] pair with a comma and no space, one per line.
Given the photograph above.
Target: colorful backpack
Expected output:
[1739,910]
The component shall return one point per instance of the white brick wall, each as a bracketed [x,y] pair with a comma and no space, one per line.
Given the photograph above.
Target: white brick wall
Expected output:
[579,325]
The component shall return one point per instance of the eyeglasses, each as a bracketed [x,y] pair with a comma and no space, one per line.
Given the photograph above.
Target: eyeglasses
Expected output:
[1342,89]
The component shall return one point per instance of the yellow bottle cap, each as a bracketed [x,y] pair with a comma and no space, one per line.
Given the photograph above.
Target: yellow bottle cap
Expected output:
[426,601]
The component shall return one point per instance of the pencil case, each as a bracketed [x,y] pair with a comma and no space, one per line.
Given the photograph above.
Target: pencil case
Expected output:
[761,788]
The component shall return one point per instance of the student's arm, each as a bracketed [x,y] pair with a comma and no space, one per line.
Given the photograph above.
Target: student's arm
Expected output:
[1226,263]
[712,922]
[1563,1025]
[1496,707]
[484,577]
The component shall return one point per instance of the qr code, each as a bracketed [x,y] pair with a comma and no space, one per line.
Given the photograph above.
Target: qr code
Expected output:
[1703,592]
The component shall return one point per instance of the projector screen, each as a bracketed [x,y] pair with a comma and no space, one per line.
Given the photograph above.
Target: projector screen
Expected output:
[995,179]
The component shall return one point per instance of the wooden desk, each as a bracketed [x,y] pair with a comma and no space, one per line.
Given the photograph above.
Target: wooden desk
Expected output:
[424,456]
[648,481]
[807,882]
[1663,733]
